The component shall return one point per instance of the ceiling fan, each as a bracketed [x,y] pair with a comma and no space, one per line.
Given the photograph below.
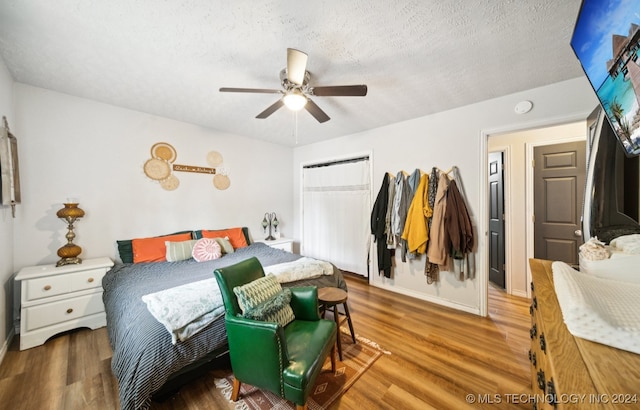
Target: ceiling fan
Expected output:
[296,89]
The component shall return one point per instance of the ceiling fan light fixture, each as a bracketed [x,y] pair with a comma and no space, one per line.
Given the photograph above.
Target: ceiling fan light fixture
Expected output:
[294,100]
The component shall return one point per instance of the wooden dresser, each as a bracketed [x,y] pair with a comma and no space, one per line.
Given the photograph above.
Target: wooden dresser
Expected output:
[571,372]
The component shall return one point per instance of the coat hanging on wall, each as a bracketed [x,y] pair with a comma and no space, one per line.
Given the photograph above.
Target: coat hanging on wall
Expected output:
[437,223]
[378,224]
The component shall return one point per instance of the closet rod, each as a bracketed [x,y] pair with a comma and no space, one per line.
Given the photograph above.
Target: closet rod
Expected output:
[337,162]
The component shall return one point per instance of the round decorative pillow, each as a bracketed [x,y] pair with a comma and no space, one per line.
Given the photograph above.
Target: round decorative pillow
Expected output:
[206,249]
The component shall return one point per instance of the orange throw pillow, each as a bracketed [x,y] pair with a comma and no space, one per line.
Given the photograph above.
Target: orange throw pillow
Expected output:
[235,235]
[154,249]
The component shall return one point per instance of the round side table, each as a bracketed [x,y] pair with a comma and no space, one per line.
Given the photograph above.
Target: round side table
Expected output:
[329,299]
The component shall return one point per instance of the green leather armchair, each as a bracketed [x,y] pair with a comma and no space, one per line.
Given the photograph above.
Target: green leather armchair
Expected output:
[284,360]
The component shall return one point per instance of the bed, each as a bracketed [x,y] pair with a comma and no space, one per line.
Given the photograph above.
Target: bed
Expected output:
[145,361]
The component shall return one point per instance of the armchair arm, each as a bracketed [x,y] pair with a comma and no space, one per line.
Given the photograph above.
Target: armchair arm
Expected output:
[304,302]
[258,351]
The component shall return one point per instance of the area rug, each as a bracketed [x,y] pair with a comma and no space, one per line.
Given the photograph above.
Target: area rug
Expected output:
[356,359]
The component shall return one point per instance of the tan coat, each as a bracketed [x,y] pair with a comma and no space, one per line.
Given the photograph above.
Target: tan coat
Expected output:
[438,251]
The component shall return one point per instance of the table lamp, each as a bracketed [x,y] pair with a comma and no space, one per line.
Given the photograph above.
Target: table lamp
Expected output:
[69,252]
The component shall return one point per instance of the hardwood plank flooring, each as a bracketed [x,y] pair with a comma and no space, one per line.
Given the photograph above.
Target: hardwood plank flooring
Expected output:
[438,356]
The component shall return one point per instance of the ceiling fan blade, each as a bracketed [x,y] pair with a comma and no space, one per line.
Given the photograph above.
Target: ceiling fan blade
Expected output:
[340,91]
[249,90]
[271,109]
[296,65]
[316,111]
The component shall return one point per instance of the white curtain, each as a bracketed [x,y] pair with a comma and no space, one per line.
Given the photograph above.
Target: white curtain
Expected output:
[336,206]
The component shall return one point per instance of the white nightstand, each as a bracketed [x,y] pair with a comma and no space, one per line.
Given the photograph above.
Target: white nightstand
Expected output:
[56,299]
[286,244]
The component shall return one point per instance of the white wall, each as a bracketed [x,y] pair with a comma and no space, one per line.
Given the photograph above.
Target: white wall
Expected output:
[6,223]
[73,147]
[518,167]
[455,137]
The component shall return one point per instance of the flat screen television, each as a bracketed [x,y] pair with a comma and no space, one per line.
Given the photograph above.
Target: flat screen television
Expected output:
[611,206]
[606,40]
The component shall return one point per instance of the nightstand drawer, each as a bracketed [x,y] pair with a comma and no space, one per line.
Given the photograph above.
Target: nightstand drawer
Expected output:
[87,280]
[285,244]
[57,312]
[46,287]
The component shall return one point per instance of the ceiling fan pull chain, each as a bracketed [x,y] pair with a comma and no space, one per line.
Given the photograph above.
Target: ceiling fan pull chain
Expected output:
[295,126]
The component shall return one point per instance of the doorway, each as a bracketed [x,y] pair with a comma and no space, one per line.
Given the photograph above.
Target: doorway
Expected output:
[518,147]
[496,240]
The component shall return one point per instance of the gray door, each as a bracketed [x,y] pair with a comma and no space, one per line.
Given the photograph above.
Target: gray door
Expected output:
[496,219]
[559,178]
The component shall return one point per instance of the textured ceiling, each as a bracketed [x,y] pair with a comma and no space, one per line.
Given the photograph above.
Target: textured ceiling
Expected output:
[169,58]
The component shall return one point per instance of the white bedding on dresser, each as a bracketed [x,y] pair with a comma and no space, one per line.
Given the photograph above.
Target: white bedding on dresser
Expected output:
[602,310]
[619,266]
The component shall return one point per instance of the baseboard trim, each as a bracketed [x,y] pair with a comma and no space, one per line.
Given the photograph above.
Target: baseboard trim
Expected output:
[7,343]
[519,293]
[428,298]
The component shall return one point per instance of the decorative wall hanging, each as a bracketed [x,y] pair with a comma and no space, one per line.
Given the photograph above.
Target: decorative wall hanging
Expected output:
[161,165]
[9,170]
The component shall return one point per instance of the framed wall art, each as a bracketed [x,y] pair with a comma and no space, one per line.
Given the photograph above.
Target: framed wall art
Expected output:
[9,169]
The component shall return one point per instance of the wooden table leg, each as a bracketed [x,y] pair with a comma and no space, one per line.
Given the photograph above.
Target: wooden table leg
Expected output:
[336,317]
[346,312]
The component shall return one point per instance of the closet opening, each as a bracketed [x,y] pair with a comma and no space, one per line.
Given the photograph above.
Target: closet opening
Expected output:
[336,203]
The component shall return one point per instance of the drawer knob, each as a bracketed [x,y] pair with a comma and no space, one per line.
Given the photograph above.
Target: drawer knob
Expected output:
[543,343]
[533,332]
[90,280]
[47,287]
[69,310]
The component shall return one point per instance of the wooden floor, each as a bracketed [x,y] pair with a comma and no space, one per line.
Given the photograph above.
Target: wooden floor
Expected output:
[440,359]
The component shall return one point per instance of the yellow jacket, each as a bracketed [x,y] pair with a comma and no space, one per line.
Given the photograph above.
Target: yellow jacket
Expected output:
[416,231]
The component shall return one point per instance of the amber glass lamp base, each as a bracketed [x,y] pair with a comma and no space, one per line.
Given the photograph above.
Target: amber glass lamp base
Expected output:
[69,252]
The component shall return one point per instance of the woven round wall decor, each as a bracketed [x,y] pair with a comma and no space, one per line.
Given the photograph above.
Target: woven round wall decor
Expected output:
[221,182]
[214,159]
[170,183]
[157,169]
[164,151]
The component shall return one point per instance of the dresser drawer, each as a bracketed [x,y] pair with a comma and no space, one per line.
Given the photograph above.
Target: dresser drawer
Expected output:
[46,287]
[61,284]
[48,314]
[87,279]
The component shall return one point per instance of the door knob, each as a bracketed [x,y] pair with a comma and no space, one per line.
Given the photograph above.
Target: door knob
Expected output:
[577,232]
